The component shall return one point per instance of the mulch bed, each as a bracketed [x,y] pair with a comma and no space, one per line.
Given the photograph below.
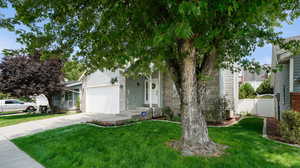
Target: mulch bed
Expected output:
[226,122]
[223,123]
[273,131]
[111,123]
[127,122]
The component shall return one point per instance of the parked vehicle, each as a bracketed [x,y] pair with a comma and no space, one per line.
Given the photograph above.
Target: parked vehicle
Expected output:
[10,105]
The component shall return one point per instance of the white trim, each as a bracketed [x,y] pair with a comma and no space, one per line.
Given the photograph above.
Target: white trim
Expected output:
[291,74]
[73,84]
[235,91]
[82,76]
[150,91]
[159,91]
[119,98]
[73,91]
[103,85]
[221,82]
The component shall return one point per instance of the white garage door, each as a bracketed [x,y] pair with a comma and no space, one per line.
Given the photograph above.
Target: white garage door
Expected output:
[102,100]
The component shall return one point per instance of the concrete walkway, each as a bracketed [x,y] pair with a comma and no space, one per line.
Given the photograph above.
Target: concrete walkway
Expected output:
[12,157]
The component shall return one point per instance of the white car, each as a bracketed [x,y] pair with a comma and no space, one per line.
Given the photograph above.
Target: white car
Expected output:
[10,105]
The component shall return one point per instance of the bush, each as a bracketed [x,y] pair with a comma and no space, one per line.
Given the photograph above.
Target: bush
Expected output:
[4,96]
[290,126]
[265,87]
[219,111]
[169,114]
[246,91]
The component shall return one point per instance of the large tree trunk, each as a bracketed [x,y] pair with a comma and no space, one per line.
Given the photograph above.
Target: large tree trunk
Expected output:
[195,140]
[51,104]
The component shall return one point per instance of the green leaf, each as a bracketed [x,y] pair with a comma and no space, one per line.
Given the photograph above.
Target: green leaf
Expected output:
[183,30]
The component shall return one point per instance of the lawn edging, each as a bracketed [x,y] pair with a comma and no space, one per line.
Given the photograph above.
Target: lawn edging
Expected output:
[112,126]
[167,121]
[233,123]
[265,135]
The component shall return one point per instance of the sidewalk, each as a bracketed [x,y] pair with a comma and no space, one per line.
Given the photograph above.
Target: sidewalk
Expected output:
[12,157]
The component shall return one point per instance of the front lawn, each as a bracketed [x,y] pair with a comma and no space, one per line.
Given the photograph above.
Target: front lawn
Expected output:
[16,119]
[143,146]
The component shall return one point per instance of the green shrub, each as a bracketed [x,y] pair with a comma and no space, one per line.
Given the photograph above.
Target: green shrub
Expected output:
[290,126]
[169,114]
[265,87]
[8,96]
[4,96]
[219,110]
[246,91]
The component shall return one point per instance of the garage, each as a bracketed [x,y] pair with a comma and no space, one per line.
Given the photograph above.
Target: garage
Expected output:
[104,99]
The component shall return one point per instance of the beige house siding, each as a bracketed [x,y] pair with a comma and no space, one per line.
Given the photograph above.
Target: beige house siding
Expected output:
[221,84]
[171,97]
[228,86]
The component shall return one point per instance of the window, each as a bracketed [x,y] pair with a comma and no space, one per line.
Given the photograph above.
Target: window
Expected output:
[13,102]
[18,102]
[9,102]
[147,93]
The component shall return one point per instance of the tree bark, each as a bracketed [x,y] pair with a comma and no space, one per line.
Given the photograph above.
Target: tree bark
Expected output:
[51,105]
[195,140]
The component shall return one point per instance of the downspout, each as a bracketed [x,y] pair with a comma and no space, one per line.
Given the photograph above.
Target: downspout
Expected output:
[291,80]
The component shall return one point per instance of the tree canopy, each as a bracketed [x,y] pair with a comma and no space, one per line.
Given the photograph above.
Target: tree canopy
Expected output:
[24,75]
[246,91]
[265,87]
[111,34]
[187,38]
[73,70]
[6,22]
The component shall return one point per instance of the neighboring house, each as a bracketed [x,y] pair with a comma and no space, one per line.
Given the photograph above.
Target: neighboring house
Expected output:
[112,93]
[286,83]
[254,79]
[69,99]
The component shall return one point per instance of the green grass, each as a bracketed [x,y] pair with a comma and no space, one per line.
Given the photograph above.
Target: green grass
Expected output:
[143,146]
[10,112]
[16,119]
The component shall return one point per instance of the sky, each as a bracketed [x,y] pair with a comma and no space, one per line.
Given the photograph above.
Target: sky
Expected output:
[263,55]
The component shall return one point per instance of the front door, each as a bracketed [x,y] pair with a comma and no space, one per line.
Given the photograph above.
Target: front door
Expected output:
[154,91]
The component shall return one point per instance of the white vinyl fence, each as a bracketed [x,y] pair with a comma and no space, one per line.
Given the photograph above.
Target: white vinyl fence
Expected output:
[258,107]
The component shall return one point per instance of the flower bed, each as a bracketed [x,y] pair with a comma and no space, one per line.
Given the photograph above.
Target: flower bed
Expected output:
[273,130]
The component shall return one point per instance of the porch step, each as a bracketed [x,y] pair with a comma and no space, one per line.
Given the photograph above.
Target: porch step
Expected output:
[136,113]
[147,105]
